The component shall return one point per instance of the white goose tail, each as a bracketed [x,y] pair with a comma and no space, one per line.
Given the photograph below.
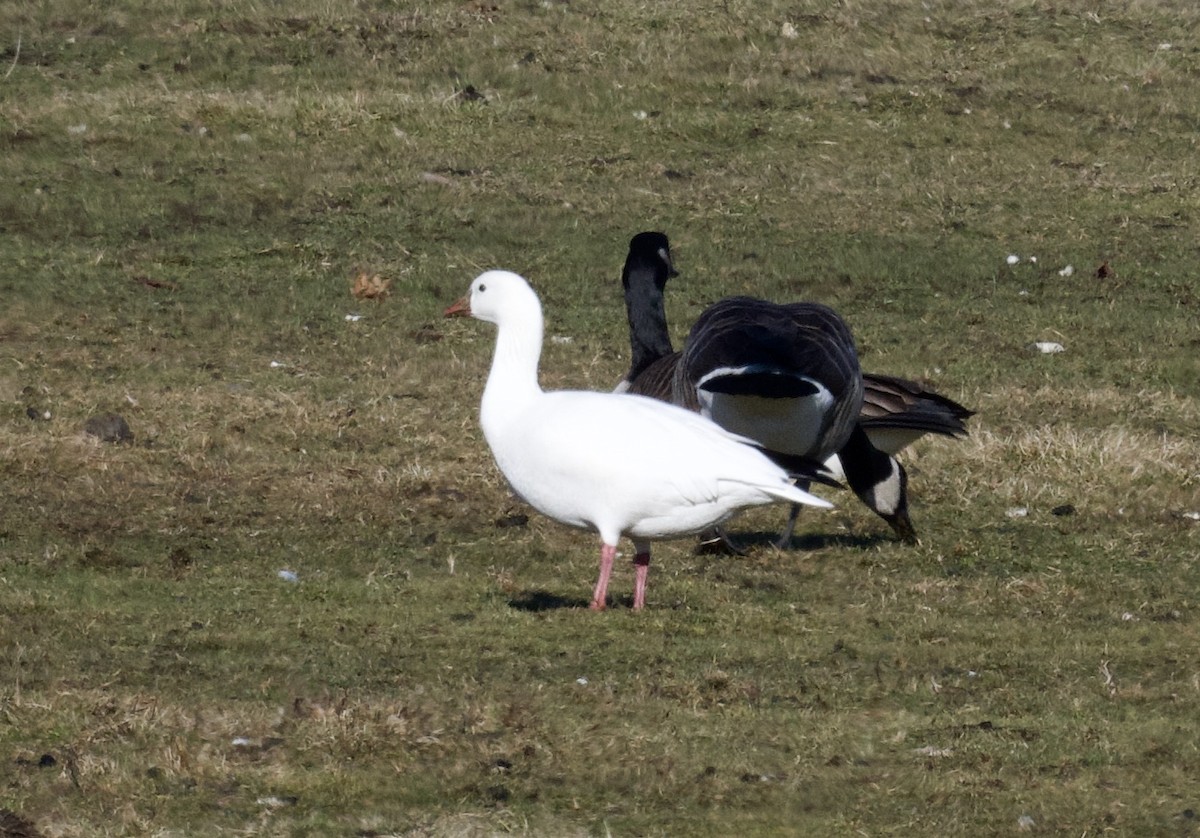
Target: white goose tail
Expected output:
[794,494]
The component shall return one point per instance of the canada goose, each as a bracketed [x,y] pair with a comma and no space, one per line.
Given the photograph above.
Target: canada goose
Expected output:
[893,411]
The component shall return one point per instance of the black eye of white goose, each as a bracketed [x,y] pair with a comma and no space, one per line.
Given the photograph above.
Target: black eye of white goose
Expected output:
[618,465]
[786,376]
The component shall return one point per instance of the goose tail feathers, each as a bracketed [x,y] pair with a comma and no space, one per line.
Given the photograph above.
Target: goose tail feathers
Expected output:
[794,494]
[804,469]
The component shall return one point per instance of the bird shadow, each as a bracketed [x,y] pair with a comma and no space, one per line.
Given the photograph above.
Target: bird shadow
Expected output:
[539,600]
[747,541]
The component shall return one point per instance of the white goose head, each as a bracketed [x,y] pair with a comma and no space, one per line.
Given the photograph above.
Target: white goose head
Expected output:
[499,297]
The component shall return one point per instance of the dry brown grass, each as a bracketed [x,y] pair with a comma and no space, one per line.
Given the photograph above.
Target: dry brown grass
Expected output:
[1101,449]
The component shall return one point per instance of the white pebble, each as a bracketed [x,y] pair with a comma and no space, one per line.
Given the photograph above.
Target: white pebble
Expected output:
[275,365]
[241,742]
[354,318]
[1025,823]
[789,31]
[561,339]
[1013,259]
[1017,512]
[1128,617]
[1049,347]
[640,114]
[288,576]
[583,682]
[1067,271]
[1192,516]
[81,128]
[1033,260]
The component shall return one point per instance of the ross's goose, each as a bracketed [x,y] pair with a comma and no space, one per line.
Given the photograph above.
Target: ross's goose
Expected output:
[617,464]
[894,412]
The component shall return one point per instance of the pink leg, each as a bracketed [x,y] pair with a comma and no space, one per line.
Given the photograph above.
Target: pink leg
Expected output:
[608,552]
[641,566]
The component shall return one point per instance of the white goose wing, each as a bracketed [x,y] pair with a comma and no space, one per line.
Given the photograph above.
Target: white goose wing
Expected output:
[596,459]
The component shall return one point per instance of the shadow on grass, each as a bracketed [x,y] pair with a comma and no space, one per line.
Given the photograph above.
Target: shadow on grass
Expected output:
[545,601]
[541,600]
[753,541]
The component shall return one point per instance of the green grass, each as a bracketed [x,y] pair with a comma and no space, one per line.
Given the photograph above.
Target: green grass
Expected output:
[186,192]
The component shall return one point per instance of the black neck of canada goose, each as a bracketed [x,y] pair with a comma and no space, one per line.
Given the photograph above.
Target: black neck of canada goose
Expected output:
[647,269]
[879,481]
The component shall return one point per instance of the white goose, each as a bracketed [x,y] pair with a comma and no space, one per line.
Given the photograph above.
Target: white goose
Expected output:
[786,376]
[617,464]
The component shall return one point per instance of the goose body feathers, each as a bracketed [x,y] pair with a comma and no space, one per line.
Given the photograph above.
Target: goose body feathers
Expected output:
[625,467]
[786,376]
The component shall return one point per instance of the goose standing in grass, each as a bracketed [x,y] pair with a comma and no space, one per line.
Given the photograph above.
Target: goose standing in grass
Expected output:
[785,376]
[620,465]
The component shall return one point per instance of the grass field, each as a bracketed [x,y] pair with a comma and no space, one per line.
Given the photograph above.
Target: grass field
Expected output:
[187,191]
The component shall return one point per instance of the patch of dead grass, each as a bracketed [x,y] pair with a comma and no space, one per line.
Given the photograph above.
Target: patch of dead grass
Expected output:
[1104,469]
[1101,404]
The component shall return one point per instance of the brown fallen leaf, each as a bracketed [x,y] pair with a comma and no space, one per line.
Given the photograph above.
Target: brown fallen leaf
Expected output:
[368,286]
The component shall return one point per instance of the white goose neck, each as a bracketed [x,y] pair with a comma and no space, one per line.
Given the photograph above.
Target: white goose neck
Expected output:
[513,380]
